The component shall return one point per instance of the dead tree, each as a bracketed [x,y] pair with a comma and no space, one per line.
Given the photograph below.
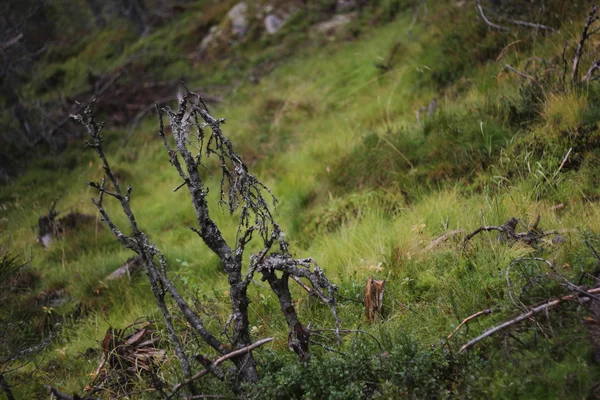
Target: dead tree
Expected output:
[241,193]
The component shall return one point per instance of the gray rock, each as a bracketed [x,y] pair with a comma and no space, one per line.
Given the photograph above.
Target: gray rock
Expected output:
[239,19]
[46,239]
[334,25]
[213,34]
[559,239]
[131,266]
[273,23]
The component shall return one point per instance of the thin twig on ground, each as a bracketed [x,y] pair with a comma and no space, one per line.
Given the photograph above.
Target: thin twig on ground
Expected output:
[487,21]
[531,237]
[63,396]
[472,317]
[442,238]
[220,360]
[521,74]
[531,25]
[522,317]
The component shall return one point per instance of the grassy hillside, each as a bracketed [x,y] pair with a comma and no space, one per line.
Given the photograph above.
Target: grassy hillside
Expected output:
[365,189]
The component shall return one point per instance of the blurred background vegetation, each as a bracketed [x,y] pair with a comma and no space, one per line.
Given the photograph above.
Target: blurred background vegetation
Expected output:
[381,126]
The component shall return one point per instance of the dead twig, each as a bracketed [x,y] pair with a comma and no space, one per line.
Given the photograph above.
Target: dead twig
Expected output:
[531,25]
[521,74]
[585,34]
[521,317]
[505,49]
[487,21]
[531,237]
[591,247]
[472,317]
[568,284]
[565,63]
[63,396]
[443,238]
[562,164]
[588,76]
[11,42]
[220,360]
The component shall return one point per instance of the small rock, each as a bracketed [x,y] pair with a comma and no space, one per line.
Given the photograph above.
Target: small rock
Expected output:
[131,266]
[272,23]
[46,239]
[332,26]
[239,19]
[559,239]
[213,34]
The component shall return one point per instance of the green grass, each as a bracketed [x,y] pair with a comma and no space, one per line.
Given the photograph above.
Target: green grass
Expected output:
[363,189]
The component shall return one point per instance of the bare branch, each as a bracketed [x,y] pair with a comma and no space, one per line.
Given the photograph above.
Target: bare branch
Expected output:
[516,71]
[220,360]
[590,73]
[562,164]
[443,238]
[531,237]
[11,42]
[62,396]
[531,25]
[565,63]
[568,284]
[472,317]
[487,21]
[585,34]
[522,317]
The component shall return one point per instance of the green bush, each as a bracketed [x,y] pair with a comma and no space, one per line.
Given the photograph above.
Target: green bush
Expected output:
[402,367]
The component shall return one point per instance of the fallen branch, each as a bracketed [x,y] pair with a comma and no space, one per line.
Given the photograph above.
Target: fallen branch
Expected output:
[590,73]
[530,237]
[522,317]
[505,49]
[220,360]
[487,21]
[472,317]
[562,164]
[568,284]
[444,237]
[585,34]
[565,63]
[11,42]
[531,25]
[521,74]
[63,396]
